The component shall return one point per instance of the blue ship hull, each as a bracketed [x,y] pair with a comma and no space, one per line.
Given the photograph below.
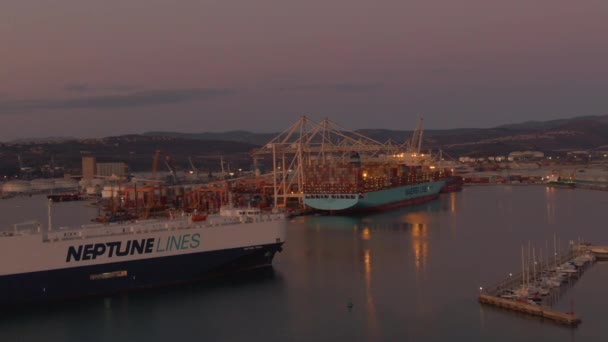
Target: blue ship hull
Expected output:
[375,200]
[116,277]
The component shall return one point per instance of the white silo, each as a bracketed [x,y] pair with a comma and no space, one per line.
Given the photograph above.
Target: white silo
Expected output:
[66,184]
[41,185]
[16,187]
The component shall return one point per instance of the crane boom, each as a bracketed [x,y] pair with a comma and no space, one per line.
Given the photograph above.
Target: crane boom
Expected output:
[150,201]
[416,142]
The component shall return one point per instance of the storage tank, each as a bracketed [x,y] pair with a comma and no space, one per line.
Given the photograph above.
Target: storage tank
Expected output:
[66,183]
[97,182]
[42,185]
[91,190]
[84,183]
[16,187]
[110,191]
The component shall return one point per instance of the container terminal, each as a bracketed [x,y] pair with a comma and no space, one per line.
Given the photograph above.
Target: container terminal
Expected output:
[312,164]
[309,163]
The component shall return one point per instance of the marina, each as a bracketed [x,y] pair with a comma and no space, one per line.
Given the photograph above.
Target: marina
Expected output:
[540,285]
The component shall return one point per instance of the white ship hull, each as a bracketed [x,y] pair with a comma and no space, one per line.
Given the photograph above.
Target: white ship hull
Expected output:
[43,265]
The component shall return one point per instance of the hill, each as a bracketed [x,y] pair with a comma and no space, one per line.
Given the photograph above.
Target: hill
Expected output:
[205,149]
[136,150]
[585,132]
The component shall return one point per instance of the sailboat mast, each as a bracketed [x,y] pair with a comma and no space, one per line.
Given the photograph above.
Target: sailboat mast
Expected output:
[523,268]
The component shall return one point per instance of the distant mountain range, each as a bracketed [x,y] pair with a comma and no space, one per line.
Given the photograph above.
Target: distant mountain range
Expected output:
[205,150]
[579,133]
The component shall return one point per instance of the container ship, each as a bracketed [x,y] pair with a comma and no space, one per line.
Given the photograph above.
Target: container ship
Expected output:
[42,264]
[354,187]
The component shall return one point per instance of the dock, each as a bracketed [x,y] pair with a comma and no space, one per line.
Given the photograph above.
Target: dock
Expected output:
[530,309]
[515,294]
[600,252]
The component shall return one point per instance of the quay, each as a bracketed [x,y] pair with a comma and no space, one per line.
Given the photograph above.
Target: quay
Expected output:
[531,309]
[526,292]
[600,252]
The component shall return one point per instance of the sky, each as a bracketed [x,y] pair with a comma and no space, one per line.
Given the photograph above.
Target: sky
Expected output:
[101,68]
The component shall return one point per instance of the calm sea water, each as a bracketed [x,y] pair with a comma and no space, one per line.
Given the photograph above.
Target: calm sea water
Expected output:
[411,275]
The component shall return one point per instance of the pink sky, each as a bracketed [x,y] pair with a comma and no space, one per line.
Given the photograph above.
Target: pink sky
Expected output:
[75,68]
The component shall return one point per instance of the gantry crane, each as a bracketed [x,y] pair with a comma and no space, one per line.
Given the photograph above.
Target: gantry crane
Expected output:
[306,142]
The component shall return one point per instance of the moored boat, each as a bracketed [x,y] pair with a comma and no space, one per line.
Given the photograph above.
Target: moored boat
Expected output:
[66,197]
[558,182]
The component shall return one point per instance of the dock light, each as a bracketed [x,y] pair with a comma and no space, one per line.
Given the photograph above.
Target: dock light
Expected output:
[480,288]
[510,274]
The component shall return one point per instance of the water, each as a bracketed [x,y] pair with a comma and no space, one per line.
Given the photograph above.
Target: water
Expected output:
[411,275]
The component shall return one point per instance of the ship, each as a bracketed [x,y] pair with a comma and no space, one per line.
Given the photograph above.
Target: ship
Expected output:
[452,184]
[556,181]
[356,187]
[66,197]
[380,180]
[40,263]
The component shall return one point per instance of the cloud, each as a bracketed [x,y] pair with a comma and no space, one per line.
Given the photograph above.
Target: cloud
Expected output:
[336,87]
[77,87]
[451,70]
[133,99]
[85,87]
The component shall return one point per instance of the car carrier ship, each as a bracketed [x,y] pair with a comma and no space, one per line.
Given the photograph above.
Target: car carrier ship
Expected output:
[39,263]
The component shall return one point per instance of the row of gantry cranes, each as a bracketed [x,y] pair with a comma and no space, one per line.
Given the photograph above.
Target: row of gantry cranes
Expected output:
[302,144]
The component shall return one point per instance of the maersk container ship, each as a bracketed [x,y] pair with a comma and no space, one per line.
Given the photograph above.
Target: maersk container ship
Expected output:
[40,264]
[355,187]
[375,200]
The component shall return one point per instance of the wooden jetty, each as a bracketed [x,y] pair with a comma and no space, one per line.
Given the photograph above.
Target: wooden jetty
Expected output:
[600,252]
[531,309]
[492,295]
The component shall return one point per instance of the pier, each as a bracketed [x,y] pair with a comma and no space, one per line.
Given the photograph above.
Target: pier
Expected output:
[540,284]
[531,309]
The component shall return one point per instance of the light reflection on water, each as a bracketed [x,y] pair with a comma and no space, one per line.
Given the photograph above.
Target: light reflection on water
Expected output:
[412,274]
[372,318]
[420,245]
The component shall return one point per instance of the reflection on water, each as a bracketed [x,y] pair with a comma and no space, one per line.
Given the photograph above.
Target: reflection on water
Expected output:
[452,202]
[399,219]
[380,263]
[550,200]
[331,222]
[420,245]
[365,234]
[414,221]
[418,223]
[371,306]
